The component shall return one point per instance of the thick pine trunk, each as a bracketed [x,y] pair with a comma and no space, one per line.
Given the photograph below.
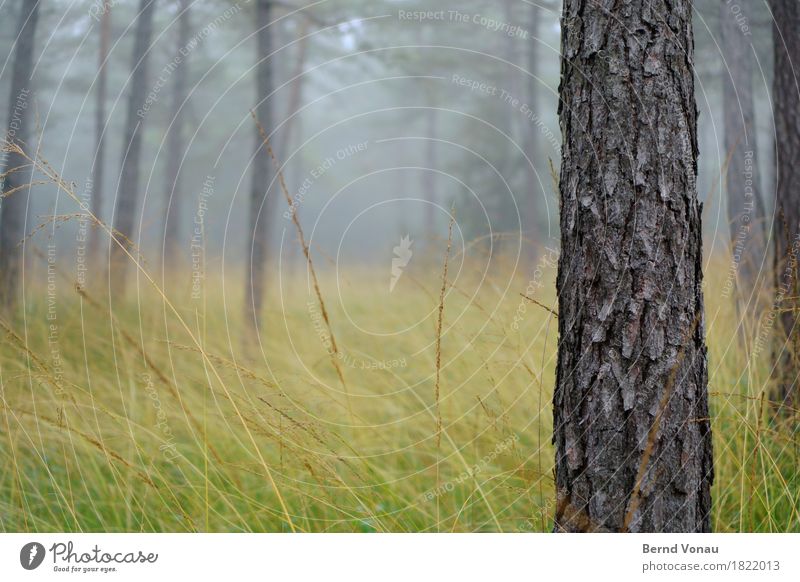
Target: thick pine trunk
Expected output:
[786,100]
[173,192]
[14,200]
[128,194]
[260,212]
[631,427]
[98,168]
[745,206]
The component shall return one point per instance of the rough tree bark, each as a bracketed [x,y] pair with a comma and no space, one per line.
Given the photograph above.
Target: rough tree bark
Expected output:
[786,101]
[631,427]
[746,213]
[14,193]
[98,168]
[260,203]
[173,193]
[128,194]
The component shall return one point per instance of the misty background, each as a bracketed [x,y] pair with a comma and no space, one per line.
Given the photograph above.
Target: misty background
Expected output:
[383,122]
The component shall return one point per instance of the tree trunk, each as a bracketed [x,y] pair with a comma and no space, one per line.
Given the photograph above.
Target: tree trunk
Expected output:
[173,193]
[128,194]
[512,85]
[509,156]
[786,99]
[13,204]
[295,100]
[260,203]
[428,179]
[292,134]
[98,168]
[294,260]
[745,206]
[631,426]
[429,176]
[532,133]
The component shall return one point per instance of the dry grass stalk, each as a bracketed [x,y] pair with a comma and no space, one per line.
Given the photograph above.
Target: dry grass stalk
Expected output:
[542,305]
[301,237]
[439,322]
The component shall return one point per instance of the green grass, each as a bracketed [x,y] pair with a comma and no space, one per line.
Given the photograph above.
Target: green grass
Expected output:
[154,423]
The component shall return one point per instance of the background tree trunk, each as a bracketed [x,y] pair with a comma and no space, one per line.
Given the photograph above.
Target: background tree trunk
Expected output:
[260,203]
[98,168]
[786,100]
[127,197]
[430,181]
[512,83]
[13,204]
[532,146]
[173,193]
[295,100]
[293,133]
[746,213]
[631,427]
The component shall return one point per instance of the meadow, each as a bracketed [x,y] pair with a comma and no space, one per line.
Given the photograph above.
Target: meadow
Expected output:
[159,412]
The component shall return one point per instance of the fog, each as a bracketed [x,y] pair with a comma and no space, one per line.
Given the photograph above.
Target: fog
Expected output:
[386,116]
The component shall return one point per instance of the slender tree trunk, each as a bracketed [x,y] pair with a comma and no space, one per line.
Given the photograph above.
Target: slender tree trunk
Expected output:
[631,426]
[292,133]
[295,261]
[532,133]
[512,79]
[786,100]
[98,169]
[510,158]
[173,192]
[127,197]
[429,177]
[296,92]
[260,203]
[15,194]
[745,206]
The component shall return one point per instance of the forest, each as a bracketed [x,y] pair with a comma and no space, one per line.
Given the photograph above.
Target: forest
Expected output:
[399,266]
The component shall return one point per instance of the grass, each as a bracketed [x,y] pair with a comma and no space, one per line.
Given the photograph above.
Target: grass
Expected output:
[139,423]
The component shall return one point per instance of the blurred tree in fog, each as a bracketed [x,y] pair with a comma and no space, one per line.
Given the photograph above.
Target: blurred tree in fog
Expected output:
[261,204]
[786,97]
[176,146]
[746,211]
[538,173]
[98,164]
[129,188]
[16,172]
[747,214]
